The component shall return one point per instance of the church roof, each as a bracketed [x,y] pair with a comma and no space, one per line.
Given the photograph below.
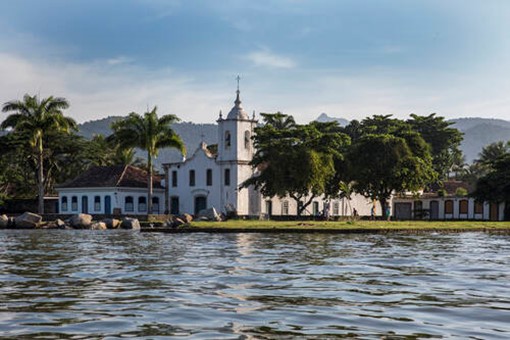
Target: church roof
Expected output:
[126,176]
[237,112]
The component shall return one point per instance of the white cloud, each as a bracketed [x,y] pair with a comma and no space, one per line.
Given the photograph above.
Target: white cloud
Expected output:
[119,60]
[266,58]
[104,88]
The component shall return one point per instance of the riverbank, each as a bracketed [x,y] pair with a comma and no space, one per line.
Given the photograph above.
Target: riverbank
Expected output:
[237,226]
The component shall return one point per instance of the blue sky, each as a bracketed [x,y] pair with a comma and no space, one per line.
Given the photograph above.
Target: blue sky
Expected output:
[347,58]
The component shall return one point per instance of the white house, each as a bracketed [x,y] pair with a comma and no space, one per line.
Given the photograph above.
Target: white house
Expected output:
[120,189]
[213,179]
[447,206]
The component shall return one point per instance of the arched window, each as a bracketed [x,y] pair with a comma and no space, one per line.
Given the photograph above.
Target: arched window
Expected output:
[479,208]
[227,177]
[247,137]
[74,203]
[142,204]
[192,178]
[97,203]
[463,206]
[155,205]
[128,203]
[285,207]
[208,177]
[227,139]
[448,207]
[64,203]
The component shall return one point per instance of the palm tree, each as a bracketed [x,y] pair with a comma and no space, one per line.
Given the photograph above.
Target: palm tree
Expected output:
[149,133]
[36,119]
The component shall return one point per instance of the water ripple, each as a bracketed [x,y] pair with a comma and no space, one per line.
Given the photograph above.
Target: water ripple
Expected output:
[96,285]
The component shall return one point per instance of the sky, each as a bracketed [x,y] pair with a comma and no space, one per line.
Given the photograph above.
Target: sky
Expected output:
[346,58]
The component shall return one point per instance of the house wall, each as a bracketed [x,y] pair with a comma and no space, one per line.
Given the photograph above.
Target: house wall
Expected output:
[456,213]
[117,198]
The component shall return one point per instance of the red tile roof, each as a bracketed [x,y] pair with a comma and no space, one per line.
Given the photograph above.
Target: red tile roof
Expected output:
[126,176]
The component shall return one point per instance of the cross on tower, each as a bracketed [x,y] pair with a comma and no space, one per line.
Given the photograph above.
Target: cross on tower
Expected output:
[238,78]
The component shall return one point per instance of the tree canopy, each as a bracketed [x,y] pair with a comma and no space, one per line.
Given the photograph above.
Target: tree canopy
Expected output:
[35,122]
[387,156]
[295,160]
[150,133]
[443,139]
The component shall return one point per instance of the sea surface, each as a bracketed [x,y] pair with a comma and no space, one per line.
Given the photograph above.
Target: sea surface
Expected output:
[120,284]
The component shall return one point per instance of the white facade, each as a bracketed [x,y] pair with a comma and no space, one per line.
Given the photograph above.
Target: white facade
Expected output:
[106,201]
[205,180]
[447,208]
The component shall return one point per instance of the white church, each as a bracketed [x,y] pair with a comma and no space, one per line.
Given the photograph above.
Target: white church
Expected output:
[213,180]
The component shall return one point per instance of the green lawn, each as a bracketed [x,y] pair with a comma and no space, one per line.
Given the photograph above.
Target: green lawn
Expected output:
[393,225]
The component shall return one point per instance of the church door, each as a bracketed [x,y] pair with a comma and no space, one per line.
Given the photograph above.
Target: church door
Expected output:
[200,204]
[107,205]
[494,213]
[434,210]
[269,209]
[174,205]
[85,204]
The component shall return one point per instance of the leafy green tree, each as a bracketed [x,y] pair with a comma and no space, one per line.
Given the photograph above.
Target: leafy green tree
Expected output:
[495,186]
[492,152]
[149,133]
[443,139]
[387,156]
[33,119]
[295,160]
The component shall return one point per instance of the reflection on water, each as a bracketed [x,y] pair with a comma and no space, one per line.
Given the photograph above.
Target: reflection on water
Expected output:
[84,284]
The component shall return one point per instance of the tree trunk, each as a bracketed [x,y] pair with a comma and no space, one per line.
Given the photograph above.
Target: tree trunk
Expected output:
[40,182]
[149,184]
[382,202]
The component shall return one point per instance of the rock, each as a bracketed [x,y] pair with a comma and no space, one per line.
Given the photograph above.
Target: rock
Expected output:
[60,224]
[129,223]
[178,222]
[202,218]
[28,220]
[98,226]
[4,221]
[210,214]
[187,218]
[111,223]
[81,221]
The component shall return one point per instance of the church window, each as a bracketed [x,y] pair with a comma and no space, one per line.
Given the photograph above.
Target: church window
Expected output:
[478,207]
[74,203]
[227,140]
[448,207]
[142,204]
[192,178]
[336,209]
[128,203]
[208,177]
[174,178]
[97,203]
[155,205]
[285,207]
[247,139]
[64,203]
[227,177]
[463,207]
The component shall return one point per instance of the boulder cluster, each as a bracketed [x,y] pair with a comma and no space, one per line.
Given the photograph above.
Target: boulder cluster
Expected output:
[30,220]
[184,220]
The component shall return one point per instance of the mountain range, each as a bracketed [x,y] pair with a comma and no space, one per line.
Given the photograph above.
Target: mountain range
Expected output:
[478,132]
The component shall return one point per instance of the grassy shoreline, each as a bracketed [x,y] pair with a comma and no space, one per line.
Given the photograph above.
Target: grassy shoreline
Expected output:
[339,226]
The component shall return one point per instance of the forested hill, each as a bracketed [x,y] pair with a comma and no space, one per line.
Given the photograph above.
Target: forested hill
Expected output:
[478,132]
[191,134]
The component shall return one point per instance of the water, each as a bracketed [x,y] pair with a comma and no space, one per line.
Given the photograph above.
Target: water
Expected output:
[112,284]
